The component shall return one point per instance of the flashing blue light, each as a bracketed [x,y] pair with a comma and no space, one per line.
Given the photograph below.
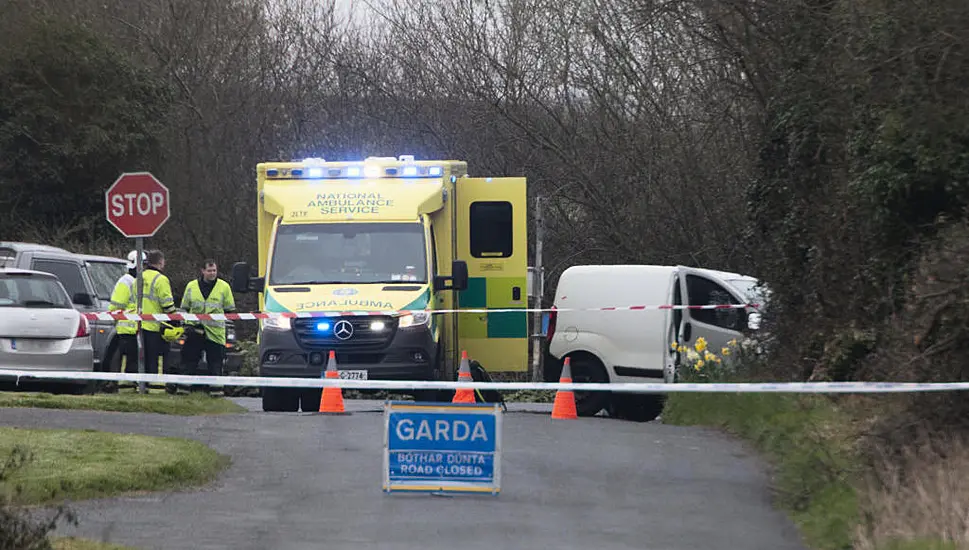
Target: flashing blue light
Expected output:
[272,172]
[316,172]
[410,171]
[435,171]
[322,326]
[296,172]
[353,171]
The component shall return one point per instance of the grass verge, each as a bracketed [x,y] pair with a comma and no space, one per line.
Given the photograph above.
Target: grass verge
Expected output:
[72,543]
[812,442]
[80,464]
[157,402]
[807,441]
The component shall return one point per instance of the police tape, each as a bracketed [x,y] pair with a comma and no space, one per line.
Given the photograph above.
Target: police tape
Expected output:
[254,316]
[279,382]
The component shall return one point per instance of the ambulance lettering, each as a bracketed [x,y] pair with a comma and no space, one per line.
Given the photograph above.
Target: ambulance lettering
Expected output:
[350,203]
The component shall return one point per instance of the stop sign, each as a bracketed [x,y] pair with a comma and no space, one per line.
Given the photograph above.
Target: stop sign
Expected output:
[137,204]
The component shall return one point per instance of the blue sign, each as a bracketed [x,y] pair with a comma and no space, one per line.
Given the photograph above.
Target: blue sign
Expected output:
[442,447]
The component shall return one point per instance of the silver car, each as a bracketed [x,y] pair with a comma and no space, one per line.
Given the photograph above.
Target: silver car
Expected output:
[39,327]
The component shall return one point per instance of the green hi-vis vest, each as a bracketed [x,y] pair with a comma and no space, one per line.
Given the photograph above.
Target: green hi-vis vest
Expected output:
[157,297]
[220,300]
[124,298]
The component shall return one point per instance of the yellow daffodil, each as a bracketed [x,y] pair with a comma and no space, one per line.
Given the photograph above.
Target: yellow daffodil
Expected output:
[725,352]
[709,357]
[732,343]
[699,364]
[674,346]
[701,344]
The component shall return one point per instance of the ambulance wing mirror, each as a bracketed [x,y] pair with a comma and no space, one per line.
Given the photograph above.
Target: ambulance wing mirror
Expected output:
[458,278]
[242,282]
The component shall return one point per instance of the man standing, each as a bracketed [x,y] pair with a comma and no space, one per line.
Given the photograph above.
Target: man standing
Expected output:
[206,294]
[157,298]
[124,298]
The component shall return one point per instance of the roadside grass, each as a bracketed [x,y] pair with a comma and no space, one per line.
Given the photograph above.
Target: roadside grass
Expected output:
[809,444]
[72,543]
[82,464]
[155,402]
[837,496]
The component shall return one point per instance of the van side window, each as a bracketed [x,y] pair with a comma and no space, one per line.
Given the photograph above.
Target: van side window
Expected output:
[704,292]
[677,301]
[68,273]
[491,229]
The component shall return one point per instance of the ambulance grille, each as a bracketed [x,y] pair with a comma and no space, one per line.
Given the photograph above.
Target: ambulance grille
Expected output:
[364,338]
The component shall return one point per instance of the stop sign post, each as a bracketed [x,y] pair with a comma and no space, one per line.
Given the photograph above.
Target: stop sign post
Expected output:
[137,205]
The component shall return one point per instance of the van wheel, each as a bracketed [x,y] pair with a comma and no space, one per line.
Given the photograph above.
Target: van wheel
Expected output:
[280,399]
[637,408]
[586,368]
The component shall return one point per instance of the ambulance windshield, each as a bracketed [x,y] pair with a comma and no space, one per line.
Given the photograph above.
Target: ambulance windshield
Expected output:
[345,253]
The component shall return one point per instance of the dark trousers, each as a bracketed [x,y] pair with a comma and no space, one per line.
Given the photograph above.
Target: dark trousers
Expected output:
[156,348]
[128,353]
[127,357]
[195,344]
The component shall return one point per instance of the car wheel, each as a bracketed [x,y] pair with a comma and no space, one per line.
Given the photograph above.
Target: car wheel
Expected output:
[280,399]
[586,368]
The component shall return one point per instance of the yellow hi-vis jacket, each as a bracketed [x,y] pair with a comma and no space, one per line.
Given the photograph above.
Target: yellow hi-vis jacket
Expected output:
[124,298]
[219,300]
[156,298]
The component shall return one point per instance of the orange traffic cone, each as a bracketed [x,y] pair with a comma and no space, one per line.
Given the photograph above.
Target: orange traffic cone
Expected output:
[464,375]
[331,401]
[564,406]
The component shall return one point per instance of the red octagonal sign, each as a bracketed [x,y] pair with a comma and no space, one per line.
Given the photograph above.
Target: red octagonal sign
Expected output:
[137,204]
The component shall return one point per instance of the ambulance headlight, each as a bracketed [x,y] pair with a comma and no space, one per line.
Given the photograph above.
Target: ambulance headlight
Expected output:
[435,171]
[414,319]
[353,172]
[410,171]
[315,172]
[276,323]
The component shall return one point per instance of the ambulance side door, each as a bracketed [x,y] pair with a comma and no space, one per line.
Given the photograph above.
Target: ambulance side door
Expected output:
[492,238]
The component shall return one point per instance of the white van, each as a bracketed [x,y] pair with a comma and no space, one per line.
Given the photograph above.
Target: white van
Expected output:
[634,345]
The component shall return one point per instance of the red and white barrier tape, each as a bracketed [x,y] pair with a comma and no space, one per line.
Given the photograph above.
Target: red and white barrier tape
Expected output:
[123,316]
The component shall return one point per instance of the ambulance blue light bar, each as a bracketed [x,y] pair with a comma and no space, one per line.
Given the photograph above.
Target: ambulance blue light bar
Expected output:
[314,168]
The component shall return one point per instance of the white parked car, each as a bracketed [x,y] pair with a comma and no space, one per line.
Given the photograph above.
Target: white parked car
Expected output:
[635,345]
[39,327]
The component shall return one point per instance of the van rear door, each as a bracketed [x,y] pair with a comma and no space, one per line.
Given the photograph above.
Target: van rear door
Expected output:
[716,326]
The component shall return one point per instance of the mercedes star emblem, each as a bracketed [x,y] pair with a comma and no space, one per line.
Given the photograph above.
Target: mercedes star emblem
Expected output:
[343,330]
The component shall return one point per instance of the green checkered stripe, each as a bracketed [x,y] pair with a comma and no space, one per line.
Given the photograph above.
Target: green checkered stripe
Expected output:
[493,292]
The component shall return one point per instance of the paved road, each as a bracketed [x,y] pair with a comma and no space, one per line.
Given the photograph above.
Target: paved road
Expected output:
[302,481]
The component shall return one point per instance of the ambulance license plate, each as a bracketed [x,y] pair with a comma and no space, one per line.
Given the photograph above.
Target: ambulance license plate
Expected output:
[353,374]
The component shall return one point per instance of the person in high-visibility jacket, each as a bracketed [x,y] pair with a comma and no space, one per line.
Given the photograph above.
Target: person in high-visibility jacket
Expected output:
[124,297]
[156,298]
[206,294]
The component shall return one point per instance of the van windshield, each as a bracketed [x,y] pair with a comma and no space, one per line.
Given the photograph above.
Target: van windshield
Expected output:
[347,253]
[104,275]
[754,292]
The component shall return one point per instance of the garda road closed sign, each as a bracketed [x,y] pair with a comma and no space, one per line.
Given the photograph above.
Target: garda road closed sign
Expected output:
[442,447]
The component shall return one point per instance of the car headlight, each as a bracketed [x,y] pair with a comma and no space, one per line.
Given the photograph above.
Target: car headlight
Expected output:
[277,323]
[414,319]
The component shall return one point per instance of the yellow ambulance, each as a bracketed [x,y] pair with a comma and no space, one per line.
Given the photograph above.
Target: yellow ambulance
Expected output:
[394,236]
